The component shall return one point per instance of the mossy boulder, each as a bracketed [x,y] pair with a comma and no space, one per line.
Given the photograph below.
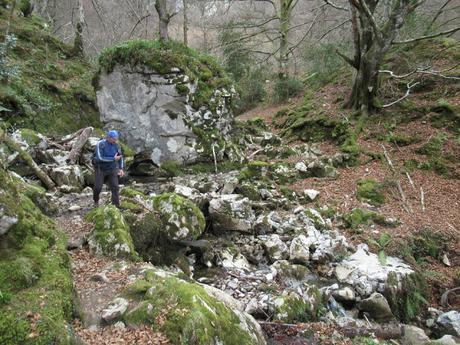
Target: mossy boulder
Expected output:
[190,313]
[181,219]
[369,190]
[290,307]
[110,235]
[180,101]
[35,284]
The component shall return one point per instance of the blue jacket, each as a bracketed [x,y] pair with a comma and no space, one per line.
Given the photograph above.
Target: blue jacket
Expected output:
[104,156]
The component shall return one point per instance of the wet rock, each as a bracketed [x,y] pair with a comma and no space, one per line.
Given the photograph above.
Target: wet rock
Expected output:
[115,310]
[449,323]
[74,208]
[414,336]
[276,249]
[291,307]
[231,213]
[377,306]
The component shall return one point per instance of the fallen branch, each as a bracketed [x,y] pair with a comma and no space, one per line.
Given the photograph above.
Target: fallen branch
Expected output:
[409,87]
[428,36]
[75,152]
[387,157]
[422,199]
[14,146]
[70,137]
[445,296]
[410,180]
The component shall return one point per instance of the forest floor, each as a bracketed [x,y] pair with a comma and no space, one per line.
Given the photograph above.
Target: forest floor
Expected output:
[431,198]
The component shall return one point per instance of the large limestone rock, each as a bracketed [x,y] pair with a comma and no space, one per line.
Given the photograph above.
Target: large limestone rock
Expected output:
[171,112]
[231,212]
[191,313]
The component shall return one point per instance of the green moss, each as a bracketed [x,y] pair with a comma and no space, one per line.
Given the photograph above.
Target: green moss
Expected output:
[293,308]
[406,295]
[434,146]
[172,168]
[131,206]
[110,235]
[445,115]
[34,274]
[127,151]
[162,57]
[248,190]
[358,217]
[131,193]
[369,190]
[181,218]
[195,318]
[426,243]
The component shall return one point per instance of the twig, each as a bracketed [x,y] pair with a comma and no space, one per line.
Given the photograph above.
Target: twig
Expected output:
[410,180]
[422,199]
[445,296]
[215,158]
[387,157]
[406,205]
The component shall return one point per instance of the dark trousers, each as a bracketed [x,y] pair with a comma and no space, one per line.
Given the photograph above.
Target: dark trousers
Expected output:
[112,177]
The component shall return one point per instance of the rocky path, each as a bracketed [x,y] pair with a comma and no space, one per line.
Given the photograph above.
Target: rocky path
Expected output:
[98,281]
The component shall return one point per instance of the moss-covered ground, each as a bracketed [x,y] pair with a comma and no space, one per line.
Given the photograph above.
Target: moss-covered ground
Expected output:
[51,90]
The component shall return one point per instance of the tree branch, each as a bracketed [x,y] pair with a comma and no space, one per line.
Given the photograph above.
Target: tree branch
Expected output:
[451,31]
[409,87]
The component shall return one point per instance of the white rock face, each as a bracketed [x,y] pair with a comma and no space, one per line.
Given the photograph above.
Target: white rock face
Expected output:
[153,116]
[6,222]
[364,271]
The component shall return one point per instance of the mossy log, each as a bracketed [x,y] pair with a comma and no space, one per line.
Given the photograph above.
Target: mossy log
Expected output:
[12,145]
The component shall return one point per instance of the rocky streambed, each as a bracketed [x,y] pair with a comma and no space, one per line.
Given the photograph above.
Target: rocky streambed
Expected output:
[208,258]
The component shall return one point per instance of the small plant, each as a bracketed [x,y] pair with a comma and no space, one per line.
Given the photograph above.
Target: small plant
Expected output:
[382,242]
[285,89]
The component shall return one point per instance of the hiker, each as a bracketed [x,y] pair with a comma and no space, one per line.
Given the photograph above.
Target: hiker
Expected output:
[108,163]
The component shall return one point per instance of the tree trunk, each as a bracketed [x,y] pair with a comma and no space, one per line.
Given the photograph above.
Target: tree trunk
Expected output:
[365,86]
[164,18]
[285,19]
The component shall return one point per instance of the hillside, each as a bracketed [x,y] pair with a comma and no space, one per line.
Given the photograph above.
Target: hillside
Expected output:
[50,90]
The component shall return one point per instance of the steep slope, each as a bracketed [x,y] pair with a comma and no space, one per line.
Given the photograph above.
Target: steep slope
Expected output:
[50,88]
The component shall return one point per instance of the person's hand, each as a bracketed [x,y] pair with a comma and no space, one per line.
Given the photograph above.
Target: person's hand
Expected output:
[121,173]
[117,157]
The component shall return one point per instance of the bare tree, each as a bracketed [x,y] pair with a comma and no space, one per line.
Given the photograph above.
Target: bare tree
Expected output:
[164,16]
[375,26]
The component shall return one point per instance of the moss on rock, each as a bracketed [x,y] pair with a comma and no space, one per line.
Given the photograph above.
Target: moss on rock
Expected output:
[291,308]
[181,218]
[35,284]
[189,314]
[110,235]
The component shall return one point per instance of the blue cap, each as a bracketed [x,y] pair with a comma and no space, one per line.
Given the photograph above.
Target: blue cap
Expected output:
[113,134]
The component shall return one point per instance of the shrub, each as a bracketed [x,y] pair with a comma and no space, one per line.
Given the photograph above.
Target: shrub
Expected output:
[285,89]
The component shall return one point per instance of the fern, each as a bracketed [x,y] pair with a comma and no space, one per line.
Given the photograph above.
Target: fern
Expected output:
[382,258]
